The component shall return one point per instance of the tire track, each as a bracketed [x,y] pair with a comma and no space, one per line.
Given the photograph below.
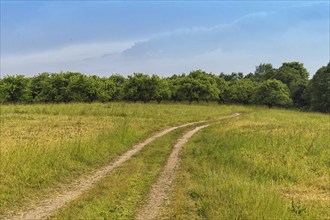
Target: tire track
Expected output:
[45,208]
[159,191]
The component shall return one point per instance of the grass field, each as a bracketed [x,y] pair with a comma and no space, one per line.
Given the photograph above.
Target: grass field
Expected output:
[269,164]
[263,164]
[111,199]
[44,147]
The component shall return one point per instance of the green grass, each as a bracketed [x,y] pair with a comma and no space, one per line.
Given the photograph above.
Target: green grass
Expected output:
[122,192]
[44,147]
[265,164]
[269,164]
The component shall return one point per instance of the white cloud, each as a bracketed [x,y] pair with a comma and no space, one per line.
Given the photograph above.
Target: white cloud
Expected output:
[68,53]
[59,59]
[234,47]
[274,37]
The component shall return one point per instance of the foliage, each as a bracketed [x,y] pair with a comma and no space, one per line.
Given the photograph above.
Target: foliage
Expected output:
[233,76]
[291,73]
[139,87]
[174,85]
[295,76]
[209,88]
[15,89]
[161,89]
[319,89]
[196,86]
[272,92]
[119,82]
[41,87]
[240,91]
[264,71]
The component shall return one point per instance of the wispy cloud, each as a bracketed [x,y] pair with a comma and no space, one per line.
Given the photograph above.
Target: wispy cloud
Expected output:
[298,33]
[69,53]
[266,36]
[62,57]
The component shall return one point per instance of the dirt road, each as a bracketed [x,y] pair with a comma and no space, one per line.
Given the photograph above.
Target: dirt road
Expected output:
[47,207]
[158,194]
[160,190]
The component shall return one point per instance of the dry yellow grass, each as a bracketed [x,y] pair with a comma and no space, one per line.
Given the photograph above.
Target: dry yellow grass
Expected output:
[50,129]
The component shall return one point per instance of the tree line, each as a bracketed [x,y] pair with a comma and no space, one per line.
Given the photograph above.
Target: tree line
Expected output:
[287,86]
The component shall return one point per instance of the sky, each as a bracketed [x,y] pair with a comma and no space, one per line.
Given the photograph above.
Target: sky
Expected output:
[161,37]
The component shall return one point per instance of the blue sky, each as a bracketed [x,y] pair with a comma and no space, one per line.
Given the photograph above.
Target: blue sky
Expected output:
[161,37]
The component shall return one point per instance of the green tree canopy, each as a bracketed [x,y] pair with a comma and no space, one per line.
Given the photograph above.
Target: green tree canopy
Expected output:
[15,89]
[295,76]
[319,89]
[161,89]
[139,87]
[284,86]
[119,83]
[272,93]
[240,91]
[41,87]
[197,86]
[264,71]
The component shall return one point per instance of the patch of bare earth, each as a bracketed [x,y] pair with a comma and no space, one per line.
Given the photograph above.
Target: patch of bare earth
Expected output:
[47,207]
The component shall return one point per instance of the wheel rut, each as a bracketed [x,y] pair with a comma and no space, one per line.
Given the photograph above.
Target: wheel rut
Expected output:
[47,207]
[160,190]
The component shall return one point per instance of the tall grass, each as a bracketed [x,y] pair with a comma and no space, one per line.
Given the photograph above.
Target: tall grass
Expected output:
[269,164]
[43,147]
[121,193]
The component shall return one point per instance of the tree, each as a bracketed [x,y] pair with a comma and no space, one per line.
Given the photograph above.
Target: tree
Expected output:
[119,83]
[79,88]
[40,87]
[291,72]
[189,89]
[272,93]
[198,86]
[99,89]
[319,89]
[295,76]
[139,88]
[15,89]
[174,83]
[161,89]
[222,86]
[249,76]
[232,77]
[4,91]
[70,87]
[58,91]
[264,71]
[208,85]
[240,91]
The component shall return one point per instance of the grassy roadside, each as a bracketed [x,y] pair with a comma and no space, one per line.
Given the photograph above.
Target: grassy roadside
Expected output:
[44,147]
[270,164]
[121,193]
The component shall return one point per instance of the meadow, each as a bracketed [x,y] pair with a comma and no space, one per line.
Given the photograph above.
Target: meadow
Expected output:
[44,147]
[263,164]
[268,164]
